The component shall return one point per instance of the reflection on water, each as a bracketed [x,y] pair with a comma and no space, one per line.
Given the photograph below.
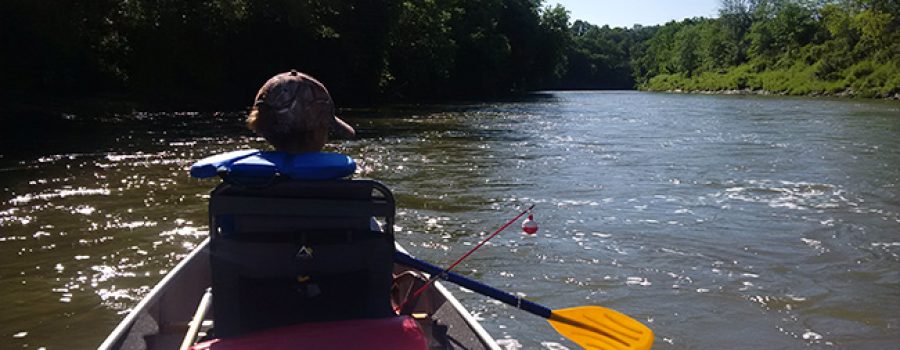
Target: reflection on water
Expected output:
[736,222]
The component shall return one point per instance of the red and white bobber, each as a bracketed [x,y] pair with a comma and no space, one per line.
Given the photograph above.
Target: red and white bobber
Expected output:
[530,226]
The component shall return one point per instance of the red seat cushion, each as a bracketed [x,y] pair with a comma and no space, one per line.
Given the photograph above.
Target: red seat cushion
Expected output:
[401,333]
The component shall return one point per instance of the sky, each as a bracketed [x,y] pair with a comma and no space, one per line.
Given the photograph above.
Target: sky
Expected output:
[626,13]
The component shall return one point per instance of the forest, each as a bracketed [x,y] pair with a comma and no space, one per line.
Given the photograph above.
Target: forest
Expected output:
[220,51]
[847,47]
[217,52]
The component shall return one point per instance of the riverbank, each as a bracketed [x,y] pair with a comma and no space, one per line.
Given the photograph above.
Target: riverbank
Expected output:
[846,93]
[866,79]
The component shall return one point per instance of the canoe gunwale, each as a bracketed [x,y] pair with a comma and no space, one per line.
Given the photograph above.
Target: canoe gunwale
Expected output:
[470,320]
[118,335]
[476,327]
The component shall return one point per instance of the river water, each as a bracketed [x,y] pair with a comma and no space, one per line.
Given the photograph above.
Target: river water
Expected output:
[719,221]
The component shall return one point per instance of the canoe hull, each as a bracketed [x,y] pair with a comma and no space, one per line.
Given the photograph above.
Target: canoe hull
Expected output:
[163,318]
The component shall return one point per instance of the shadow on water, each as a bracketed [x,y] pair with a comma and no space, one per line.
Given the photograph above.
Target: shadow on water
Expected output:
[29,135]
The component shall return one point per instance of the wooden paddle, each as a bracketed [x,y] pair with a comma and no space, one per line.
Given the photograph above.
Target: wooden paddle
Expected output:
[591,327]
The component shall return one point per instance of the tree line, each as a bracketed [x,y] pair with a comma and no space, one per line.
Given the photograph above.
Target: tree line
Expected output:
[796,47]
[375,50]
[364,50]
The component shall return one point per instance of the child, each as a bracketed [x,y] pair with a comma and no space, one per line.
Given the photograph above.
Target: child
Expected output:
[294,112]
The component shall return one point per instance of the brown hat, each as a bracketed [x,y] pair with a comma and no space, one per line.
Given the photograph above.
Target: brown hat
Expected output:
[298,103]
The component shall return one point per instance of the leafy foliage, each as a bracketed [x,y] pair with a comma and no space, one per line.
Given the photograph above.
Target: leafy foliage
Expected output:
[373,50]
[781,46]
[222,50]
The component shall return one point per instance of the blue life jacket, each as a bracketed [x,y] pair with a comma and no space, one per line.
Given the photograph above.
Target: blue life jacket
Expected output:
[257,167]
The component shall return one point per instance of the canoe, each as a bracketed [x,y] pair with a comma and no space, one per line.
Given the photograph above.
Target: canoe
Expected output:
[178,307]
[298,258]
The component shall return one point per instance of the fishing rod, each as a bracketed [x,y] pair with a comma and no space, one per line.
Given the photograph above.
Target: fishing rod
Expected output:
[530,228]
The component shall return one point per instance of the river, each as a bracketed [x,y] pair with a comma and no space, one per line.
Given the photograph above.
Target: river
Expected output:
[736,222]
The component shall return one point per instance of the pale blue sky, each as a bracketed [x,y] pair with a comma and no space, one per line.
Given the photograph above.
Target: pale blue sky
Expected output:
[626,13]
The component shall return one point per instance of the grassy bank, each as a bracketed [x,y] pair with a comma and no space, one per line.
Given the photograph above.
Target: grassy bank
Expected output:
[864,79]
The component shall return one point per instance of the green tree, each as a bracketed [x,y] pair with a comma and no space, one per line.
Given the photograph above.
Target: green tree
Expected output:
[59,46]
[550,47]
[687,48]
[421,49]
[716,50]
[599,57]
[735,19]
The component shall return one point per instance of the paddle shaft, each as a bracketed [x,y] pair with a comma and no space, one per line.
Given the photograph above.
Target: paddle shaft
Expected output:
[480,288]
[518,302]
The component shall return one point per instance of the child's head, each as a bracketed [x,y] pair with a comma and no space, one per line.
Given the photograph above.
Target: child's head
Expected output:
[294,112]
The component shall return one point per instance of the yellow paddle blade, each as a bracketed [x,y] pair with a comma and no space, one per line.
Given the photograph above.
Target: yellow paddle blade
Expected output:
[599,328]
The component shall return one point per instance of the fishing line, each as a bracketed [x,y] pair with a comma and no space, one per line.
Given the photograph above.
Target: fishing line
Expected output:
[436,277]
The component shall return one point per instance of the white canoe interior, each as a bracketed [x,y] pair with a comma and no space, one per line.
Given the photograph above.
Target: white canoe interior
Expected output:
[175,312]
